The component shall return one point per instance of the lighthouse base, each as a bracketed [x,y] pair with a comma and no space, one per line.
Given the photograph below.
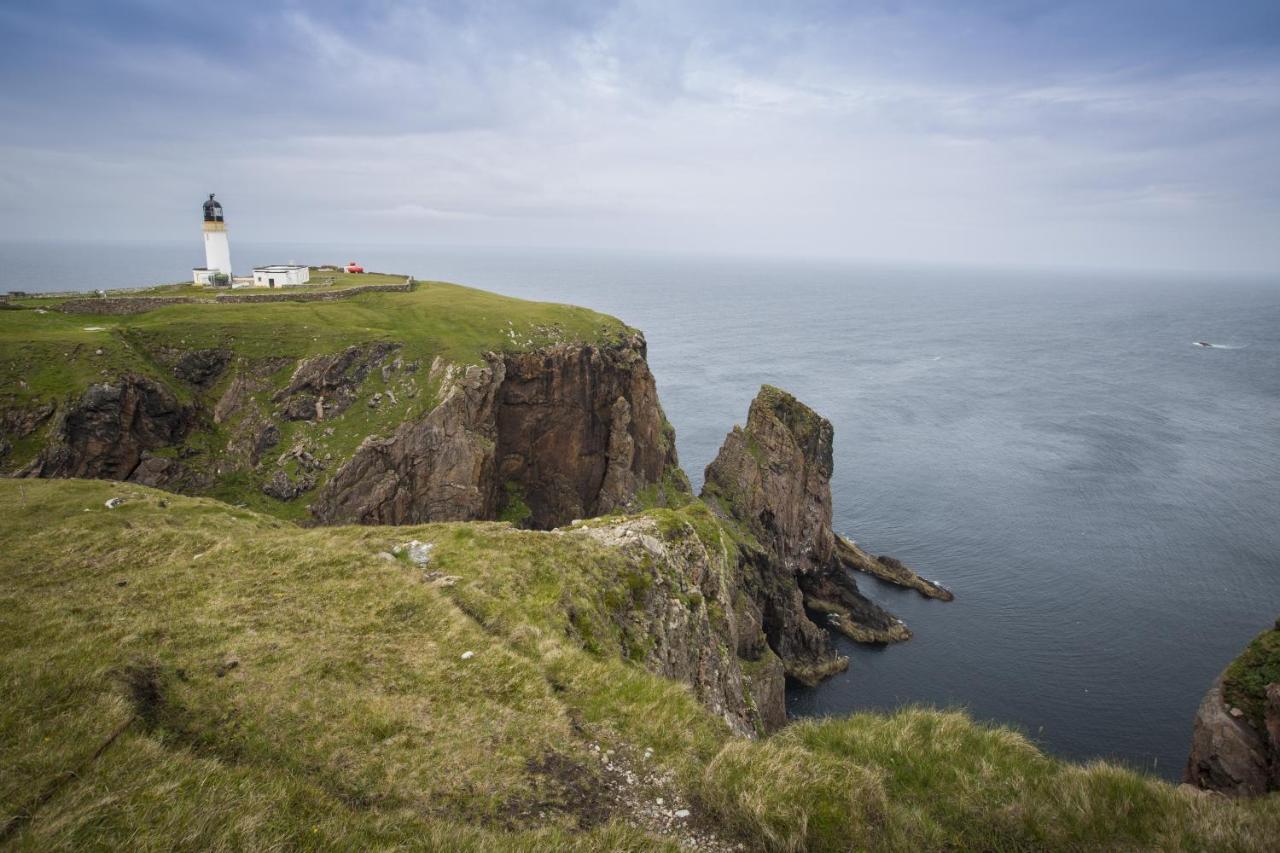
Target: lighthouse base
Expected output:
[210,278]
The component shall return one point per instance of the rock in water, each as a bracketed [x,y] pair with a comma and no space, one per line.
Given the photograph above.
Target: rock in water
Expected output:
[773,477]
[888,569]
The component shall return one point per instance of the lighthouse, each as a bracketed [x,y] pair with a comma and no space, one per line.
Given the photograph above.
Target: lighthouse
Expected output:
[217,249]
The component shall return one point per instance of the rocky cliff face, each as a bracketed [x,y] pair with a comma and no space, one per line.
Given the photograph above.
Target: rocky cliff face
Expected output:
[773,477]
[683,623]
[538,437]
[567,432]
[1235,741]
[110,431]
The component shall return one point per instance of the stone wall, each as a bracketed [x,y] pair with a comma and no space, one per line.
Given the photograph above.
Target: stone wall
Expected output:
[315,295]
[119,306]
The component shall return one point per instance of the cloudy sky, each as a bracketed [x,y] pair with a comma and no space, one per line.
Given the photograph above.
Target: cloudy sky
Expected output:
[1118,133]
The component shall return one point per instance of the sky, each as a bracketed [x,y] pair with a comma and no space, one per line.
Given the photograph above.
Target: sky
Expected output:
[1128,134]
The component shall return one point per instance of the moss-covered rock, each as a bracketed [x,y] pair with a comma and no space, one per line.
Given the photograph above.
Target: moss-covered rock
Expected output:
[1235,743]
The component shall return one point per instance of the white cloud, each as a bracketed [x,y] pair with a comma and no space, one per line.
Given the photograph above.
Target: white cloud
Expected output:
[670,126]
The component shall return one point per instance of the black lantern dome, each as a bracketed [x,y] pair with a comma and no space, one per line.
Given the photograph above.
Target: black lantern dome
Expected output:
[212,210]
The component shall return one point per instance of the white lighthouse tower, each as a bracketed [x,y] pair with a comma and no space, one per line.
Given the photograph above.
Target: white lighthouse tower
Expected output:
[217,249]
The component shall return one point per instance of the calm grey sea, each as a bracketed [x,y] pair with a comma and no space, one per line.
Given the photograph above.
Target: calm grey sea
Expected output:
[1103,497]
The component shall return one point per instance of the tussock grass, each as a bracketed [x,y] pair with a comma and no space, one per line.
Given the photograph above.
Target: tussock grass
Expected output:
[181,674]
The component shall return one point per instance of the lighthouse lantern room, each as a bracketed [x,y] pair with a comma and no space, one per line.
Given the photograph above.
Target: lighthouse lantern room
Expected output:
[217,250]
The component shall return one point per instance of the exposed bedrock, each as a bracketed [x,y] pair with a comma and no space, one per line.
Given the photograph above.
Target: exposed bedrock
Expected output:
[544,437]
[110,431]
[773,477]
[680,624]
[1235,741]
[325,385]
[889,569]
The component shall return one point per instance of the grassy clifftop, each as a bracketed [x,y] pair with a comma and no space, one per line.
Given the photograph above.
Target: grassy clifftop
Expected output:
[178,672]
[46,353]
[245,355]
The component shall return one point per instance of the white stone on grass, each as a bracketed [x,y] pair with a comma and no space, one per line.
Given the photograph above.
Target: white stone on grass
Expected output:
[419,553]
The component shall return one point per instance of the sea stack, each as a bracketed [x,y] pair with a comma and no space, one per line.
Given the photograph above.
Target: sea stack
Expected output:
[773,477]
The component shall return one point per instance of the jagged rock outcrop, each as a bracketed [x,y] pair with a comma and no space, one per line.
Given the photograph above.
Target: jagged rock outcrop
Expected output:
[679,621]
[284,488]
[325,385]
[569,431]
[201,367]
[1235,741]
[773,477]
[437,468]
[889,569]
[107,433]
[580,430]
[18,423]
[1227,754]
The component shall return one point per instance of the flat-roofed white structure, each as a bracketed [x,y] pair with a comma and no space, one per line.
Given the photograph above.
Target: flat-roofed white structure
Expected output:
[202,275]
[281,275]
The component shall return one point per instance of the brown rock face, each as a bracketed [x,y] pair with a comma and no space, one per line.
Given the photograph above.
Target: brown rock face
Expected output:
[580,430]
[571,431]
[774,478]
[438,468]
[679,614]
[325,385]
[107,433]
[888,569]
[1227,754]
[1271,721]
[1235,742]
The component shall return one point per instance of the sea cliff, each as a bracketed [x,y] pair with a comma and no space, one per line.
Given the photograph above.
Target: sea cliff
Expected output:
[1235,744]
[501,620]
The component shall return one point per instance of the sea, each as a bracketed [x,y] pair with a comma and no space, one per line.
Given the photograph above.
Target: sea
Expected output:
[1101,493]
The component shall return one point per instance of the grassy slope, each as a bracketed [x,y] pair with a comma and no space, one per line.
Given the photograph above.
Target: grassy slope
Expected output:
[46,356]
[351,720]
[55,354]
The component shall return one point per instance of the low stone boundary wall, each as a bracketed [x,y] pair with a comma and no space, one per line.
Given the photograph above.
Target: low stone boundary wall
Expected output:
[315,295]
[138,304]
[120,306]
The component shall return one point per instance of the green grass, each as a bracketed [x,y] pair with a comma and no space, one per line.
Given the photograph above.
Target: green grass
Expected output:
[54,353]
[272,687]
[319,281]
[47,356]
[1244,684]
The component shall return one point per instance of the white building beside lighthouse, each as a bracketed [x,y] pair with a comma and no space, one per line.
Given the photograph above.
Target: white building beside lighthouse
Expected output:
[217,249]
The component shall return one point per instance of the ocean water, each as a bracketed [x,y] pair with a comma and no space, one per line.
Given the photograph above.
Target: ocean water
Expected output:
[1102,496]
